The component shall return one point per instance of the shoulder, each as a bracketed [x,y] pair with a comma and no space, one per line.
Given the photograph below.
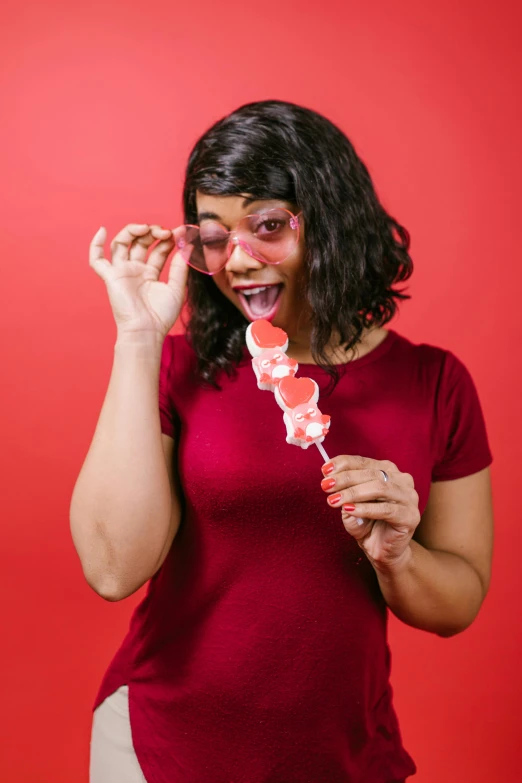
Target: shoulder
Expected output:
[437,361]
[431,372]
[444,380]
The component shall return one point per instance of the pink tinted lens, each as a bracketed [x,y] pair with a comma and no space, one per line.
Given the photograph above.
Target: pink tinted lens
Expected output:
[270,237]
[204,249]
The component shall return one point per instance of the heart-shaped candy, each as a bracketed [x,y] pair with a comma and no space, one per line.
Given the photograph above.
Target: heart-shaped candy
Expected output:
[267,336]
[296,391]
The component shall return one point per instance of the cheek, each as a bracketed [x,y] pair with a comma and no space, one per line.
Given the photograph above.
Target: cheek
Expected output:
[297,276]
[294,268]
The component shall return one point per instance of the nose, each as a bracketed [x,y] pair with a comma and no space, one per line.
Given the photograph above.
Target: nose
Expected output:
[240,262]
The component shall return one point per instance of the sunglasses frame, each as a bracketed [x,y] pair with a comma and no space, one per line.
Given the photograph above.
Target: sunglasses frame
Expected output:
[234,240]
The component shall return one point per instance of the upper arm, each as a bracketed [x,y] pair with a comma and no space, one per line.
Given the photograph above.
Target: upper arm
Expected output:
[458,518]
[169,432]
[175,494]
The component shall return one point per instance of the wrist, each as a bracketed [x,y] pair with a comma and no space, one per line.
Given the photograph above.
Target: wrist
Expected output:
[146,339]
[392,569]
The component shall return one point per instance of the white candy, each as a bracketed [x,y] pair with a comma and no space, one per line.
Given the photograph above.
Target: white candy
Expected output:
[313,430]
[305,418]
[270,366]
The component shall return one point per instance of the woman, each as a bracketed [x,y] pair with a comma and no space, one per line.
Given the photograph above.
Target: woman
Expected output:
[259,653]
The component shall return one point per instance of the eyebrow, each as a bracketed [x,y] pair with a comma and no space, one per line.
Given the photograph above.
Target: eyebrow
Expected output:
[214,216]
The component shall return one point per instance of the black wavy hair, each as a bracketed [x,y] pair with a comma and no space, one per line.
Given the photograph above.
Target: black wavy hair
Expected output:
[355,251]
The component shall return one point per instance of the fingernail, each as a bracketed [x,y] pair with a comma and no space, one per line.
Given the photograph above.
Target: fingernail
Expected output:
[348,507]
[333,499]
[326,469]
[327,483]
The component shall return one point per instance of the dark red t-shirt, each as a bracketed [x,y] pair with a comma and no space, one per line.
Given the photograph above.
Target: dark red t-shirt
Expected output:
[259,654]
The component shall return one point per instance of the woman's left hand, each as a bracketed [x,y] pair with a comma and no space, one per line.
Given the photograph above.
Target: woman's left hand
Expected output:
[388,510]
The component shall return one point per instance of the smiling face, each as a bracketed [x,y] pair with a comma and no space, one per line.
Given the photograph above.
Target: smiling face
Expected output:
[282,299]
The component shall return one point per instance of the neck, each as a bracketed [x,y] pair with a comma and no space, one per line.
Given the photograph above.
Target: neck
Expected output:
[299,346]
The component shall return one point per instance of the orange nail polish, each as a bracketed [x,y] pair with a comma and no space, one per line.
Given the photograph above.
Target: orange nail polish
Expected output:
[327,484]
[333,499]
[326,469]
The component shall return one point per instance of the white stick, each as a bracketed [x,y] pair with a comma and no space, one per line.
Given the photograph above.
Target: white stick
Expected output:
[323,452]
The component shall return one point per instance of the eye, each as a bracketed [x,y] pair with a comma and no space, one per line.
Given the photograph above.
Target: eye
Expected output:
[271,225]
[214,242]
[265,363]
[213,235]
[299,417]
[278,357]
[268,227]
[312,411]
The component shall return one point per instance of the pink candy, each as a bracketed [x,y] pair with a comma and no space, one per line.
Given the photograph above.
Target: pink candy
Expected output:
[275,371]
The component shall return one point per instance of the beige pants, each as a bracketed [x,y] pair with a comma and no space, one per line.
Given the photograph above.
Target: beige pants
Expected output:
[112,753]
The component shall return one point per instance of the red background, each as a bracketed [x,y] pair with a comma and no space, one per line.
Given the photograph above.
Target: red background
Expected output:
[101,106]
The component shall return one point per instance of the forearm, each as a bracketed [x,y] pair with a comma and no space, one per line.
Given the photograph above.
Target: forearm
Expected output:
[121,504]
[432,590]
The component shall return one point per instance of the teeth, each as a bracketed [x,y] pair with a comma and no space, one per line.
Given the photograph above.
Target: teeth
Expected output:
[252,291]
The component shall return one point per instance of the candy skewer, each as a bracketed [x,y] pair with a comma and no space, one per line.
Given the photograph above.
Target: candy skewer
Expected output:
[296,396]
[323,452]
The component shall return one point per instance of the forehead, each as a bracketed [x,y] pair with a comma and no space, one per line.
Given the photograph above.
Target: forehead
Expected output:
[230,209]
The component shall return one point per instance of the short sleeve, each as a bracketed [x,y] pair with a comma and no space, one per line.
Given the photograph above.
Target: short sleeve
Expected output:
[462,446]
[166,410]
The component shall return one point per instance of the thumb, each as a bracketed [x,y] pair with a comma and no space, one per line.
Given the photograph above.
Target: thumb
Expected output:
[178,273]
[357,527]
[178,270]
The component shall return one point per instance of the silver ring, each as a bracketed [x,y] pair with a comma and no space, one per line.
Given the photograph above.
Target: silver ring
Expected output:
[385,475]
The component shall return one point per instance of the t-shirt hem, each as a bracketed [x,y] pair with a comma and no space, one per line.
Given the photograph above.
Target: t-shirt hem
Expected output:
[116,675]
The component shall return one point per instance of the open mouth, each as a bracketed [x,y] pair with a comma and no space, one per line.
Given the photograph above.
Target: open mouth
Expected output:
[261,302]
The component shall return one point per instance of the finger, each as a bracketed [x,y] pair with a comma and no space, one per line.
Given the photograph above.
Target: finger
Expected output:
[161,251]
[370,491]
[407,479]
[165,246]
[357,527]
[178,273]
[140,245]
[123,239]
[97,259]
[355,462]
[393,513]
[96,248]
[351,478]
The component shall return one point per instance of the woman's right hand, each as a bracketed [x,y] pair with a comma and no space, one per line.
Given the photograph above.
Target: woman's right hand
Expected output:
[140,301]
